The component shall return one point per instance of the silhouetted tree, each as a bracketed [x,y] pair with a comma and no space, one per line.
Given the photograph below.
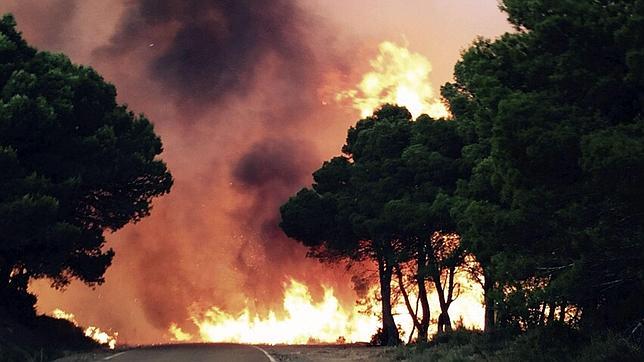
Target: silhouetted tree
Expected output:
[339,217]
[73,164]
[552,118]
[387,199]
[420,215]
[539,173]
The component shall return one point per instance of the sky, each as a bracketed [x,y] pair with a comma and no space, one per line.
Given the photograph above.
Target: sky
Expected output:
[243,95]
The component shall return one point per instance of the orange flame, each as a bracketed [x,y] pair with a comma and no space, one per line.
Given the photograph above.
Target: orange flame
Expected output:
[178,334]
[467,309]
[92,332]
[398,76]
[307,322]
[101,337]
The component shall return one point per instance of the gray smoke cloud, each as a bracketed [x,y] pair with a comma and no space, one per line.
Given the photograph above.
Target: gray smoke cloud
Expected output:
[246,73]
[206,51]
[205,55]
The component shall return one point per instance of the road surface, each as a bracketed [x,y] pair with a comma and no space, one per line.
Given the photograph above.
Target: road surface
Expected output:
[188,352]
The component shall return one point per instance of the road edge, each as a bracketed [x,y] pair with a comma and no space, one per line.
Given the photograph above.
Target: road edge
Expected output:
[270,358]
[113,355]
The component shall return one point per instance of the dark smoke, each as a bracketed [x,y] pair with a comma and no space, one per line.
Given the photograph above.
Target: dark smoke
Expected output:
[270,171]
[205,50]
[246,73]
[278,162]
[204,55]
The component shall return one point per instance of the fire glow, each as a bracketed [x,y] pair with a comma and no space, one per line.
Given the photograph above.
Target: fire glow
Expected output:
[92,332]
[308,322]
[398,76]
[305,321]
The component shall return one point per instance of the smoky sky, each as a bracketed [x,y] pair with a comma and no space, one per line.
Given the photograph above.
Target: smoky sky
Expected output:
[232,87]
[270,171]
[271,161]
[241,93]
[205,55]
[43,20]
[205,50]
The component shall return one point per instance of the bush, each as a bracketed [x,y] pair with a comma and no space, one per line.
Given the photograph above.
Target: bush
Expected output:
[459,345]
[40,338]
[609,347]
[457,337]
[552,343]
[560,343]
[63,334]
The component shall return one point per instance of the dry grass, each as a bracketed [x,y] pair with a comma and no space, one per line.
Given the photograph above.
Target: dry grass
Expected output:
[331,353]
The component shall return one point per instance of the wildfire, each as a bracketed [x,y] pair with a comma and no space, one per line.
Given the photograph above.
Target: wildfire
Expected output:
[178,334]
[304,321]
[61,314]
[92,332]
[398,76]
[466,310]
[307,322]
[101,337]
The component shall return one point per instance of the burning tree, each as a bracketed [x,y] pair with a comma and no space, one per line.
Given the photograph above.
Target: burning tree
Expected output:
[419,218]
[338,217]
[73,164]
[385,200]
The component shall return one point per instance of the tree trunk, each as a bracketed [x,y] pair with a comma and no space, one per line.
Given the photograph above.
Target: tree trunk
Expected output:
[413,329]
[412,313]
[450,298]
[424,302]
[421,324]
[441,302]
[389,330]
[444,323]
[488,286]
[422,294]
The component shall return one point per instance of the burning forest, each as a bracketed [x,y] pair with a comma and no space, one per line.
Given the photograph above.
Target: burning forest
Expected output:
[246,114]
[294,172]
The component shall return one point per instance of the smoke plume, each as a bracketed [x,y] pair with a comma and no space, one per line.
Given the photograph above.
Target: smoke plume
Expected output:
[206,51]
[233,88]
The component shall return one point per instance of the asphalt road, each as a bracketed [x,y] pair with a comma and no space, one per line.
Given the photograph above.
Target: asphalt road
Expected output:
[191,353]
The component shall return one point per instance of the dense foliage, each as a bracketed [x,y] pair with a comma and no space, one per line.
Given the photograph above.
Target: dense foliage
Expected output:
[387,199]
[553,208]
[73,165]
[539,174]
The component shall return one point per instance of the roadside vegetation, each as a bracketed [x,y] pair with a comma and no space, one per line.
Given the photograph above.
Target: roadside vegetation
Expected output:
[41,338]
[555,343]
[73,165]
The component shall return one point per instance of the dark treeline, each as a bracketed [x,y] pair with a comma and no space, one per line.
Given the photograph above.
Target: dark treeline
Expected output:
[537,176]
[74,164]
